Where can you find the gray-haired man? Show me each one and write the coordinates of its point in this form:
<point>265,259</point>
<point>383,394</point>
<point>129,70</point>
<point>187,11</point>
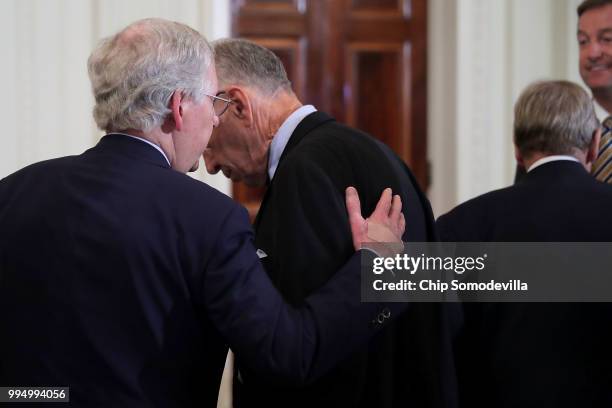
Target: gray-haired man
<point>545,355</point>
<point>123,278</point>
<point>307,160</point>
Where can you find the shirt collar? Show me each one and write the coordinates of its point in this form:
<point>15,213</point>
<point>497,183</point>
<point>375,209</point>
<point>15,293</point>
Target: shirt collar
<point>600,112</point>
<point>282,136</point>
<point>549,159</point>
<point>148,142</point>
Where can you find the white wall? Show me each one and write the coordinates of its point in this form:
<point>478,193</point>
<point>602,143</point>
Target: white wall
<point>46,108</point>
<point>482,53</point>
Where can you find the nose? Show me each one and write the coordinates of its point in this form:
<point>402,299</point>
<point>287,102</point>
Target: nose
<point>594,50</point>
<point>215,121</point>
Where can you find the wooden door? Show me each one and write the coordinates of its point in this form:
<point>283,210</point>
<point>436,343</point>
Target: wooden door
<point>362,61</point>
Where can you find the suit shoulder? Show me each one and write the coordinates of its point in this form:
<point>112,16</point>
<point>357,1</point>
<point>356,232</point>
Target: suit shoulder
<point>44,165</point>
<point>190,192</point>
<point>38,171</point>
<point>337,135</point>
<point>470,217</point>
<point>334,145</point>
<point>482,202</point>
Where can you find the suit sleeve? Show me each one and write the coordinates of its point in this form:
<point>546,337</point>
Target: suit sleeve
<point>276,340</point>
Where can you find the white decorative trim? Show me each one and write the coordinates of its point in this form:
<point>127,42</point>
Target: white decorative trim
<point>46,110</point>
<point>482,54</point>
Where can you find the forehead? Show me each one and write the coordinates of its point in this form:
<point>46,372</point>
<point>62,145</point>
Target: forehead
<point>596,19</point>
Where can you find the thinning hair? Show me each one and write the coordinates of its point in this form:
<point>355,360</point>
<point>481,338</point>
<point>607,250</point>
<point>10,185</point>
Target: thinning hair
<point>587,5</point>
<point>134,73</point>
<point>243,62</point>
<point>554,117</point>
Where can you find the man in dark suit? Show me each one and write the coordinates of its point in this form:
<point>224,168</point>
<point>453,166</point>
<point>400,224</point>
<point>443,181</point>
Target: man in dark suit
<point>540,355</point>
<point>124,279</point>
<point>307,160</point>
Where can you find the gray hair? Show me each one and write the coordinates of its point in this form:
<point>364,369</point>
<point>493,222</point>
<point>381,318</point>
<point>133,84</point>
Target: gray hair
<point>554,117</point>
<point>243,62</point>
<point>135,72</point>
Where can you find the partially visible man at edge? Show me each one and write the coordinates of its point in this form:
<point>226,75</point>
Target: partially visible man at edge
<point>595,42</point>
<point>307,159</point>
<point>595,64</point>
<point>123,278</point>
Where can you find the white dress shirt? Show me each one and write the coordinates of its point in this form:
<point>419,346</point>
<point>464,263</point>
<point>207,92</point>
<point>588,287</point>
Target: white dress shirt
<point>549,159</point>
<point>282,136</point>
<point>600,112</point>
<point>159,149</point>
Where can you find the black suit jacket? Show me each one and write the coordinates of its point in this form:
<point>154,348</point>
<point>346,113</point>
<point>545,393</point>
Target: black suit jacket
<point>536,355</point>
<point>124,280</point>
<point>302,228</point>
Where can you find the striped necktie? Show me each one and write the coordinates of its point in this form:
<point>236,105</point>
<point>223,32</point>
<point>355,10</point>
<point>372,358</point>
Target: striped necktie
<point>602,167</point>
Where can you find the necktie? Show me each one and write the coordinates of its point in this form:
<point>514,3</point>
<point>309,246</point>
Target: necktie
<point>602,167</point>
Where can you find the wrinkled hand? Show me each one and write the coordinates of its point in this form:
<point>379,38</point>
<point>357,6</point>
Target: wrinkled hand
<point>385,224</point>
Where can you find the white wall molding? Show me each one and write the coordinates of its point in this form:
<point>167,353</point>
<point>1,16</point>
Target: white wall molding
<point>46,110</point>
<point>482,55</point>
<point>46,106</point>
<point>482,62</point>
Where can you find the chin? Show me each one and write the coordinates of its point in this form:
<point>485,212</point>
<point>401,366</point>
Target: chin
<point>194,167</point>
<point>598,80</point>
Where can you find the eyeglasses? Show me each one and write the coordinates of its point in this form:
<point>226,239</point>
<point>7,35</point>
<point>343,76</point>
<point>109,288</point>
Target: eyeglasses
<point>220,104</point>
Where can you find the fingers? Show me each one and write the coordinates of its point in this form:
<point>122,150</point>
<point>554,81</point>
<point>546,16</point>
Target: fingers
<point>396,209</point>
<point>359,227</point>
<point>383,206</point>
<point>396,216</point>
<point>353,205</point>
<point>385,224</point>
<point>402,225</point>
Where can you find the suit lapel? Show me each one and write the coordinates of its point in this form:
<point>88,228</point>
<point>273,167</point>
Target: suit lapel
<point>308,124</point>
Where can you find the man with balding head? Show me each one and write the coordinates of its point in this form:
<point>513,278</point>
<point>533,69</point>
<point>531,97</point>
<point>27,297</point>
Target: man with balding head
<point>124,279</point>
<point>306,159</point>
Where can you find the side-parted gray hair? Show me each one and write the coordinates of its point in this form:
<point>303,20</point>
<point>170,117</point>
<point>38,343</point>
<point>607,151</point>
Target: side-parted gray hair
<point>554,117</point>
<point>135,72</point>
<point>243,62</point>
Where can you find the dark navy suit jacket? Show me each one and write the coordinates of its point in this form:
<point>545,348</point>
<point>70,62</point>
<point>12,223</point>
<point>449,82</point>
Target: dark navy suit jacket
<point>125,280</point>
<point>545,355</point>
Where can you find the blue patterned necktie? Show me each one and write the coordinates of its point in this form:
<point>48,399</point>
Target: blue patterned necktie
<point>602,167</point>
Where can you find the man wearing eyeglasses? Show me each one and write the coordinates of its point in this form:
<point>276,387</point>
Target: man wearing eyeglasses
<point>307,159</point>
<point>124,279</point>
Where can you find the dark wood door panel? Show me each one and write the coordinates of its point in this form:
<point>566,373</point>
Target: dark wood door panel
<point>378,93</point>
<point>362,61</point>
<point>371,8</point>
<point>267,6</point>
